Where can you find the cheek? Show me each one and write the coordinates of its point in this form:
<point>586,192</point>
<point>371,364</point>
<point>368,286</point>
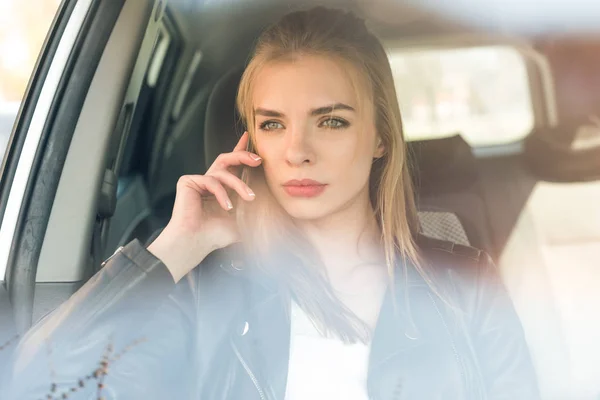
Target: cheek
<point>353,152</point>
<point>352,161</point>
<point>270,171</point>
<point>267,145</point>
<point>271,155</point>
<point>355,167</point>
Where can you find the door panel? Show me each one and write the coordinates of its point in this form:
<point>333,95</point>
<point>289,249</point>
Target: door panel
<point>25,96</point>
<point>40,141</point>
<point>7,328</point>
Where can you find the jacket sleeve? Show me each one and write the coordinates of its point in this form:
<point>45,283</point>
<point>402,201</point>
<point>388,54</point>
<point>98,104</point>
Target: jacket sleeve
<point>112,339</point>
<point>498,338</point>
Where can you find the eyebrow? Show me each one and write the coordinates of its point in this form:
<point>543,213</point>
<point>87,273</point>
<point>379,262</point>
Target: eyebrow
<point>331,108</point>
<point>314,112</point>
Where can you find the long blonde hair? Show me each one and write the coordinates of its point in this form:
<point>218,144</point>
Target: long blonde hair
<point>264,225</point>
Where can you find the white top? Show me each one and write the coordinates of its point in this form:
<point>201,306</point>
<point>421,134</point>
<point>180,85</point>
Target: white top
<point>324,368</point>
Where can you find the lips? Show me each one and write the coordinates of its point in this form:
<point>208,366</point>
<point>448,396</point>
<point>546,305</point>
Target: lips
<point>304,188</point>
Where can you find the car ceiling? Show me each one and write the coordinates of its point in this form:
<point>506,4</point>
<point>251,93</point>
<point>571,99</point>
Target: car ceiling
<point>404,17</point>
<point>225,30</point>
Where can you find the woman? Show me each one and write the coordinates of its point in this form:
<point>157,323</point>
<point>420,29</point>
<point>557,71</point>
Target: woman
<point>331,293</point>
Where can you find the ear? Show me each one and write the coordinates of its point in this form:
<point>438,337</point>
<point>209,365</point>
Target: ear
<point>379,150</point>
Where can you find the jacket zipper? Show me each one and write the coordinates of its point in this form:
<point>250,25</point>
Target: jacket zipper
<point>456,356</point>
<point>261,393</point>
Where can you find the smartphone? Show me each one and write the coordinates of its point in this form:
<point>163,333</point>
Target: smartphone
<point>244,170</point>
<point>249,146</point>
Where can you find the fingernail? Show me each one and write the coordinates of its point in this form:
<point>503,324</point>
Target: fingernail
<point>229,205</point>
<point>255,157</point>
<point>250,192</point>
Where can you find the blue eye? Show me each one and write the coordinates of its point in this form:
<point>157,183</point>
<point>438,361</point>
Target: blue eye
<point>270,125</point>
<point>334,123</point>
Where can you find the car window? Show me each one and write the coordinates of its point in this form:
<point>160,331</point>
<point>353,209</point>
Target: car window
<point>23,28</point>
<point>480,92</point>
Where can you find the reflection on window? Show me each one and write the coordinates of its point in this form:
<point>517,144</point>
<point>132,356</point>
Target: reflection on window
<point>481,93</point>
<point>23,28</point>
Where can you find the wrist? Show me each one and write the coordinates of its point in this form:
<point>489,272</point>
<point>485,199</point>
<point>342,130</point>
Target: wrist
<point>179,254</point>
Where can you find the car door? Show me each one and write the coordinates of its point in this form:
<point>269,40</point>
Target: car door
<point>76,111</point>
<point>47,32</point>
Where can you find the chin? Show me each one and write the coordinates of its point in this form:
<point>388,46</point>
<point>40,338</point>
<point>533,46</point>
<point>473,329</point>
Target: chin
<point>306,210</point>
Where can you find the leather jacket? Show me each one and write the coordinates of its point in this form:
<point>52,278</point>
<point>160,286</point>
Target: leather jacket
<point>223,332</point>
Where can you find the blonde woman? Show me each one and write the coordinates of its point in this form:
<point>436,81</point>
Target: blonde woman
<point>331,292</point>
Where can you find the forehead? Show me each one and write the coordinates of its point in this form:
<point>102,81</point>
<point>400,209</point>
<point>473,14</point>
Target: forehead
<point>306,81</point>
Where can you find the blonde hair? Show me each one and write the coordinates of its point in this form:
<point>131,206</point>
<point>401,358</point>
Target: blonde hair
<point>344,37</point>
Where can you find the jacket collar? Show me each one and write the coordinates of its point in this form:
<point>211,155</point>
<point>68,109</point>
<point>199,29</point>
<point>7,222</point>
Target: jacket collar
<point>268,324</point>
<point>264,333</point>
<point>396,331</point>
<point>263,338</point>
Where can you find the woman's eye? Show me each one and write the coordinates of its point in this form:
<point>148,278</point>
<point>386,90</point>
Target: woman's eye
<point>334,123</point>
<point>270,125</point>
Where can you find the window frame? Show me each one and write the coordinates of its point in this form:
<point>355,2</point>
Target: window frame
<point>539,74</point>
<point>34,114</point>
<point>45,131</point>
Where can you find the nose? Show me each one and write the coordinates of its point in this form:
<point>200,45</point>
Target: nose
<point>298,149</point>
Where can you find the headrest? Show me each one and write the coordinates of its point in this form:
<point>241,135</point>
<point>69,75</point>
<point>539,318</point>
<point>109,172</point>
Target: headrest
<point>439,164</point>
<point>223,126</point>
<point>442,165</point>
<point>568,152</point>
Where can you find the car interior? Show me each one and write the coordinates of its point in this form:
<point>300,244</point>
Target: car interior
<point>158,101</point>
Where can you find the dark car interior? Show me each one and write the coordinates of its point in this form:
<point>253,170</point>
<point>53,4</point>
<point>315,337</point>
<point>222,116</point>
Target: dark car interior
<point>166,86</point>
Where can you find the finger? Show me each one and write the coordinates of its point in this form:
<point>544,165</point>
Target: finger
<point>243,142</point>
<point>236,158</point>
<point>216,188</point>
<point>230,180</point>
<point>204,184</point>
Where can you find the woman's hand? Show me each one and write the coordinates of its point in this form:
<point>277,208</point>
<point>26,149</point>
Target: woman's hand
<point>200,222</point>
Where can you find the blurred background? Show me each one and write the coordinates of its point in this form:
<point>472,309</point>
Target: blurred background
<point>501,109</point>
<point>480,92</point>
<point>23,28</point>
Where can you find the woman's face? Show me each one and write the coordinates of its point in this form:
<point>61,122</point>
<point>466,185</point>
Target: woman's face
<point>316,140</point>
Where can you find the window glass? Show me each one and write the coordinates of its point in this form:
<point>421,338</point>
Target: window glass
<point>23,28</point>
<point>480,92</point>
